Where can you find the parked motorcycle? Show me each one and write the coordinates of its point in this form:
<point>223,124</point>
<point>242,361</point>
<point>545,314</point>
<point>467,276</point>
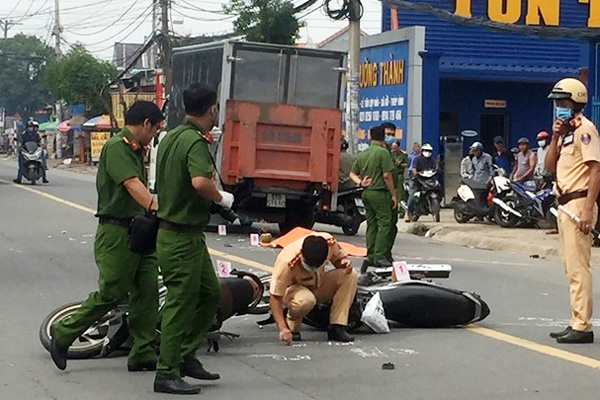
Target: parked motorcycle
<point>348,215</point>
<point>31,152</point>
<point>522,205</point>
<point>428,195</point>
<point>475,200</point>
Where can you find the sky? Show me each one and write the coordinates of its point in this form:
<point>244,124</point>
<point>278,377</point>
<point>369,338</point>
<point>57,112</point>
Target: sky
<point>98,24</point>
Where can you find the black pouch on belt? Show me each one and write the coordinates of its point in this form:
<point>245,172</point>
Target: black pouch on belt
<point>142,233</point>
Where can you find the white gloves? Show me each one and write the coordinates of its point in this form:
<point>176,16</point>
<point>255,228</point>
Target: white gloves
<point>226,200</point>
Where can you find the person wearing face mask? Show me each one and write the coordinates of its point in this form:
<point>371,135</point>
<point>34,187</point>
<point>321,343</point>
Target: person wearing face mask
<point>300,281</point>
<point>186,188</point>
<point>574,157</point>
<point>540,171</point>
<point>123,274</point>
<point>423,162</point>
<point>374,170</point>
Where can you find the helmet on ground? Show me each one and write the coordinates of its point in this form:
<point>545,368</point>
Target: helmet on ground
<point>476,146</point>
<point>570,88</point>
<point>523,140</point>
<point>542,135</point>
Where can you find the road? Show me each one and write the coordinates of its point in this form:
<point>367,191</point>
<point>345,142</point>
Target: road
<point>46,239</point>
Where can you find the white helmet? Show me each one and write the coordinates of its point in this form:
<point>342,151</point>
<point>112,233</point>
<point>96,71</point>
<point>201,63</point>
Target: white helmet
<point>427,147</point>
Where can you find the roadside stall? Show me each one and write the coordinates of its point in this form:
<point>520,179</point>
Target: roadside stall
<point>98,130</point>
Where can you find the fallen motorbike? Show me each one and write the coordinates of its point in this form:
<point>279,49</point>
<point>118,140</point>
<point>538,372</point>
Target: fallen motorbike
<point>31,154</point>
<point>522,205</point>
<point>414,303</point>
<point>427,196</point>
<point>348,215</point>
<point>475,199</point>
<point>240,294</point>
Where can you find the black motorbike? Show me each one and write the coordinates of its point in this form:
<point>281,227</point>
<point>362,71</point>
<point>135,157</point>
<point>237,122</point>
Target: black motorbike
<point>427,196</point>
<point>349,213</point>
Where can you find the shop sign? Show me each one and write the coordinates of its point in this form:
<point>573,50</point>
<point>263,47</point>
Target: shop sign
<point>537,12</point>
<point>98,140</point>
<point>488,103</point>
<point>383,89</point>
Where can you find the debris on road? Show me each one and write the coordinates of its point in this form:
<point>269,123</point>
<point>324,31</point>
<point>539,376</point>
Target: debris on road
<point>388,366</point>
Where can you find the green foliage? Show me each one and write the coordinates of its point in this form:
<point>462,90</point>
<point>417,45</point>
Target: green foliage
<point>78,78</point>
<point>266,21</point>
<point>23,60</point>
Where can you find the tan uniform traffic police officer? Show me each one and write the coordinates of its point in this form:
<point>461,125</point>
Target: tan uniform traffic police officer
<point>574,155</point>
<point>185,190</point>
<point>121,197</point>
<point>300,280</point>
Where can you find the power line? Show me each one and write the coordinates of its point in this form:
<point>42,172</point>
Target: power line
<point>193,7</point>
<point>203,19</point>
<point>13,10</point>
<point>118,19</point>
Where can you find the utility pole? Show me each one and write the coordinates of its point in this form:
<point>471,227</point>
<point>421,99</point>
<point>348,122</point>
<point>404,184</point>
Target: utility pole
<point>5,25</point>
<point>352,107</point>
<point>153,49</point>
<point>57,29</point>
<point>166,46</point>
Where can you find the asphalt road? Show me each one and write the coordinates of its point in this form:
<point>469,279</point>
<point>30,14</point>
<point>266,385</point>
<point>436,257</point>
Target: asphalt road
<point>46,260</point>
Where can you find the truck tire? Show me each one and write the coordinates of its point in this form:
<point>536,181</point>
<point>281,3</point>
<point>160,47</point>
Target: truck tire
<point>298,215</point>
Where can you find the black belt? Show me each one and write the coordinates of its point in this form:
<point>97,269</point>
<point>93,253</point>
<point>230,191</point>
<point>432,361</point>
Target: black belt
<point>116,221</point>
<point>179,228</point>
<point>565,198</point>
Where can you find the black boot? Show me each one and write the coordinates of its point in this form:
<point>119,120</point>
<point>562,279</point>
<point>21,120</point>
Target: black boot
<point>556,335</point>
<point>45,180</point>
<point>194,369</point>
<point>383,263</point>
<point>59,354</point>
<point>174,386</point>
<point>338,333</point>
<point>17,181</point>
<point>365,265</point>
<point>144,366</point>
<point>576,337</point>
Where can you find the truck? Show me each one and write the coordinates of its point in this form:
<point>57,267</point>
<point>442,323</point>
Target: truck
<point>278,144</point>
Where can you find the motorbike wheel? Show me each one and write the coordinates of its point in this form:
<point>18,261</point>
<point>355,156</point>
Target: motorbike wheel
<point>460,217</point>
<point>87,345</point>
<point>505,218</point>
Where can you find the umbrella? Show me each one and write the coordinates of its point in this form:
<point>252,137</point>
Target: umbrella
<point>64,126</point>
<point>100,122</point>
<point>48,126</point>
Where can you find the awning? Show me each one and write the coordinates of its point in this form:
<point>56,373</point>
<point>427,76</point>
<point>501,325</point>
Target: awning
<point>48,126</point>
<point>65,126</point>
<point>100,122</point>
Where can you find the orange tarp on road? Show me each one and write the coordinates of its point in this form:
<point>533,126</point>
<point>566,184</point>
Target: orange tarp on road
<point>300,233</point>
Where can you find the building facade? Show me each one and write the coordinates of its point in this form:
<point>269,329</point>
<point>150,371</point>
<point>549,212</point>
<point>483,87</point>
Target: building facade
<point>492,81</point>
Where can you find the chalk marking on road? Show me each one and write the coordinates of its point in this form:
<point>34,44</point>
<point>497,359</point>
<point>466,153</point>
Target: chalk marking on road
<point>538,348</point>
<point>523,343</point>
<point>53,198</point>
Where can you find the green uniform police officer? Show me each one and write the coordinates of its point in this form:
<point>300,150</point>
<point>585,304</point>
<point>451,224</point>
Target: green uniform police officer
<point>121,197</point>
<point>185,190</point>
<point>373,170</point>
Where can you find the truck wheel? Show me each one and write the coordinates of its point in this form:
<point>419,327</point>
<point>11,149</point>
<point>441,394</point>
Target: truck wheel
<point>298,216</point>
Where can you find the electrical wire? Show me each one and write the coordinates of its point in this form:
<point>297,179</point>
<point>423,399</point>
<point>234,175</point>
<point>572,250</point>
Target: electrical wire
<point>346,11</point>
<point>193,7</point>
<point>117,20</point>
<point>203,19</point>
<point>13,10</point>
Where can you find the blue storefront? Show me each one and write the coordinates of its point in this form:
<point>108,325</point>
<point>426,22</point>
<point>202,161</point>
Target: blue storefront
<point>490,81</point>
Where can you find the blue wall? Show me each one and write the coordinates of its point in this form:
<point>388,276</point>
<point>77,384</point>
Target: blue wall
<point>529,111</point>
<point>491,54</point>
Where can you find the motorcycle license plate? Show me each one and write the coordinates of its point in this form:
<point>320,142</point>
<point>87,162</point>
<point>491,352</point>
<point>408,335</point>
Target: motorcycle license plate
<point>276,200</point>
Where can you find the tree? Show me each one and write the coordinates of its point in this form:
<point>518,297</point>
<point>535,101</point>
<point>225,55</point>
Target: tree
<point>80,78</point>
<point>267,21</point>
<point>23,60</point>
